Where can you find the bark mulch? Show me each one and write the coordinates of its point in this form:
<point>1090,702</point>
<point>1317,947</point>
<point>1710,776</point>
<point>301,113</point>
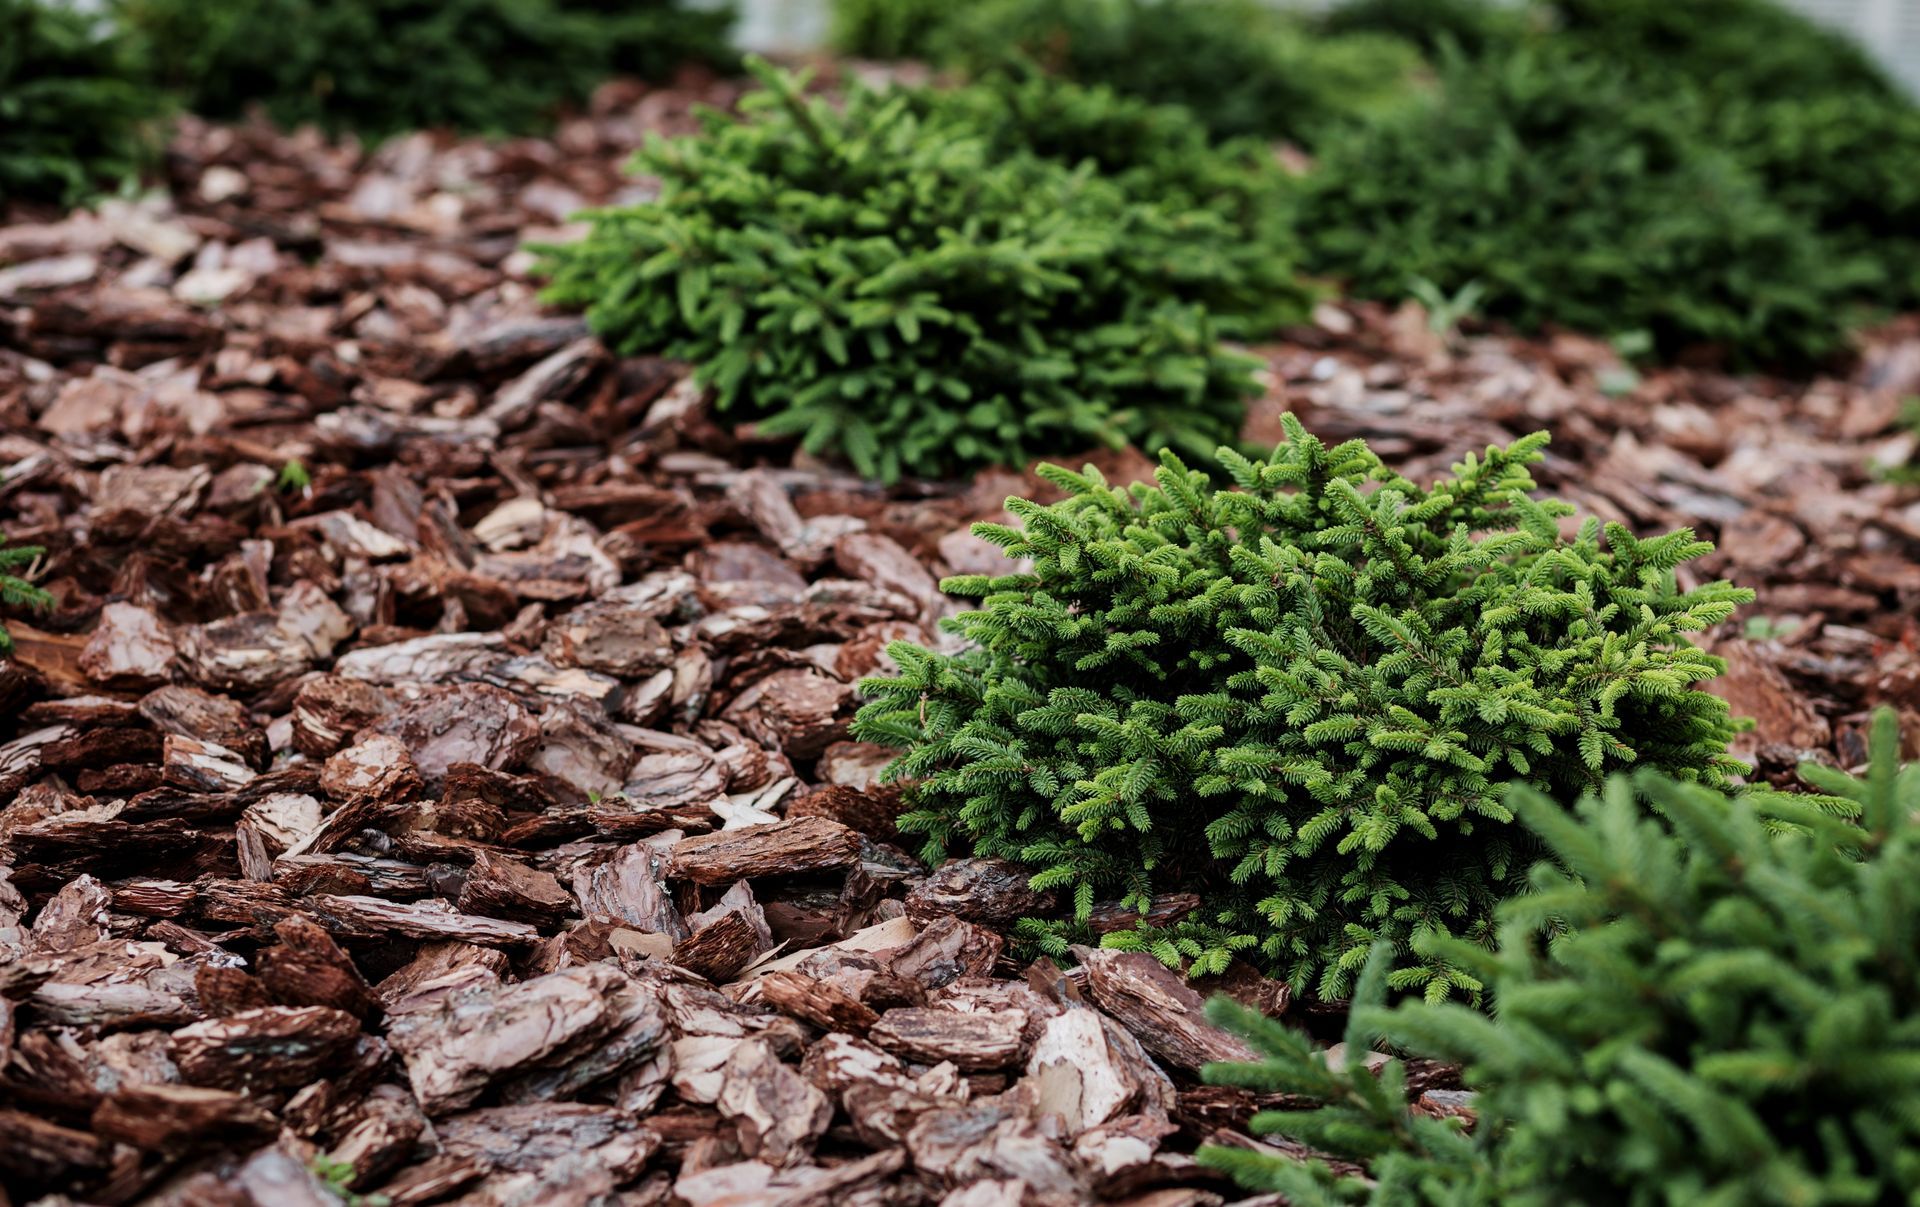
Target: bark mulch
<point>433,781</point>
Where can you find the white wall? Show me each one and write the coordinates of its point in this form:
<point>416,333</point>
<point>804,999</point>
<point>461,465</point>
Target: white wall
<point>1889,28</point>
<point>783,25</point>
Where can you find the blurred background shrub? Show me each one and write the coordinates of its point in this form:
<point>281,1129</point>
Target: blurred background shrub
<point>74,117</point>
<point>1724,173</point>
<point>1722,179</point>
<point>378,67</point>
<point>1241,66</point>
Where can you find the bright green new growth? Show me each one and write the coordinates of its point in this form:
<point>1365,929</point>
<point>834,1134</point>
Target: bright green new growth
<point>15,591</point>
<point>294,477</point>
<point>73,119</point>
<point>902,283</point>
<point>1302,698</point>
<point>380,67</point>
<point>1701,1001</point>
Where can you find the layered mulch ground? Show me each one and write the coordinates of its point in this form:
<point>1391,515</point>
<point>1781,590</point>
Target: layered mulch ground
<point>477,823</point>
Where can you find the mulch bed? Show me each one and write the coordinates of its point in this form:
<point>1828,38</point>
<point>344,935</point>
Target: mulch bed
<point>477,823</point>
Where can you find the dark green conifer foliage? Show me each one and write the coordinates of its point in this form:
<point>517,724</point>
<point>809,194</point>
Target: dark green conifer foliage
<point>1701,1000</point>
<point>1159,154</point>
<point>1802,107</point>
<point>1848,163</point>
<point>1242,67</point>
<point>1722,172</point>
<point>1734,49</point>
<point>897,283</point>
<point>890,29</point>
<point>1474,26</point>
<point>380,67</point>
<point>73,117</point>
<point>1551,180</point>
<point>652,39</point>
<point>1301,697</point>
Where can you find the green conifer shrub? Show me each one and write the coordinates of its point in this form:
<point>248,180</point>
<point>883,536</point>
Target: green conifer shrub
<point>1846,163</point>
<point>1701,1000</point>
<point>379,67</point>
<point>652,39</point>
<point>1474,26</point>
<point>1574,199</point>
<point>1781,123</point>
<point>1734,49</point>
<point>890,29</point>
<point>898,284</point>
<point>1301,697</point>
<point>1363,1117</point>
<point>1801,106</point>
<point>73,117</point>
<point>1241,66</point>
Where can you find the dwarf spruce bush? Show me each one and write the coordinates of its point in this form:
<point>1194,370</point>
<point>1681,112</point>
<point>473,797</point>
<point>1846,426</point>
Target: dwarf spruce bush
<point>1700,1001</point>
<point>1846,164</point>
<point>1159,154</point>
<point>890,29</point>
<point>1735,49</point>
<point>1573,198</point>
<point>73,117</point>
<point>1301,697</point>
<point>1802,107</point>
<point>1239,66</point>
<point>380,67</point>
<point>15,591</point>
<point>901,283</point>
<point>1746,173</point>
<point>1474,26</point>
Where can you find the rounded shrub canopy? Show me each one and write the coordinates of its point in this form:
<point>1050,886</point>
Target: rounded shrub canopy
<point>1700,999</point>
<point>1302,697</point>
<point>894,283</point>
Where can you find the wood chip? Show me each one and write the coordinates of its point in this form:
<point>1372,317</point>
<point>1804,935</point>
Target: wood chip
<point>1164,1013</point>
<point>307,968</point>
<point>781,848</point>
<point>275,1047</point>
<point>777,1113</point>
<point>483,1035</point>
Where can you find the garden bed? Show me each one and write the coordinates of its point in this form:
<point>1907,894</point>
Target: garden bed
<point>433,777</point>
